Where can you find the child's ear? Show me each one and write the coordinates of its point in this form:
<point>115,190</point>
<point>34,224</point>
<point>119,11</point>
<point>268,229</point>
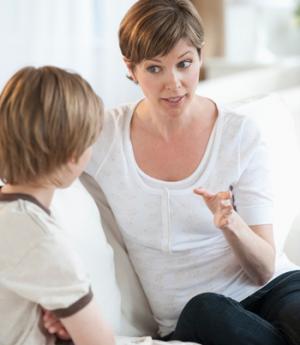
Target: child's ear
<point>71,162</point>
<point>130,74</point>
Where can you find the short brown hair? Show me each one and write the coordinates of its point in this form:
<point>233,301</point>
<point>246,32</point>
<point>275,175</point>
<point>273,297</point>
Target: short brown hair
<point>47,117</point>
<point>153,27</point>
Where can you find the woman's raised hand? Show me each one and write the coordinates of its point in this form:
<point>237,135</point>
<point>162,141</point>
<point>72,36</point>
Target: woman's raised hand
<point>219,204</point>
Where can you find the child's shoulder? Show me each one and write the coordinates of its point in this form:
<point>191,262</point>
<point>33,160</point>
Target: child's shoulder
<point>23,226</point>
<point>18,212</point>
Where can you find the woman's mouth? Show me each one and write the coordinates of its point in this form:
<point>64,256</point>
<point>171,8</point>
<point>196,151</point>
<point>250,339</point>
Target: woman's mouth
<point>174,100</point>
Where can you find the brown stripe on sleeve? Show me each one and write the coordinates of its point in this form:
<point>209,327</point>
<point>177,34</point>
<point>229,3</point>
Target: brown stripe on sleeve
<point>75,307</point>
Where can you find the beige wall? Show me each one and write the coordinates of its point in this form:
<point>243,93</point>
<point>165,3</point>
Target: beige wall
<point>212,13</point>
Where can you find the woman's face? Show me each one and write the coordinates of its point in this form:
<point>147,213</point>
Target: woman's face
<point>169,82</point>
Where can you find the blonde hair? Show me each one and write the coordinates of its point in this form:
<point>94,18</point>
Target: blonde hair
<point>47,117</point>
<point>153,27</point>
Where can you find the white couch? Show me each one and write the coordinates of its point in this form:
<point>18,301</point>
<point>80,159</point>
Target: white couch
<point>116,285</point>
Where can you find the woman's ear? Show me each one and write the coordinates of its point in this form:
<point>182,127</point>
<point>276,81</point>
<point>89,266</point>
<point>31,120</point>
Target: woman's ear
<point>202,71</point>
<point>201,53</point>
<point>130,74</point>
<point>127,62</point>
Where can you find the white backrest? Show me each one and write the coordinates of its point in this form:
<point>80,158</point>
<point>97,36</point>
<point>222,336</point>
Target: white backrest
<point>279,130</point>
<point>291,98</point>
<point>251,83</point>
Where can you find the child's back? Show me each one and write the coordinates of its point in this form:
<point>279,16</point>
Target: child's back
<point>36,268</point>
<point>49,118</point>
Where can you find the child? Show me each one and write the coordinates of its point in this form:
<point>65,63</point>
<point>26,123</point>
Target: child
<point>49,118</point>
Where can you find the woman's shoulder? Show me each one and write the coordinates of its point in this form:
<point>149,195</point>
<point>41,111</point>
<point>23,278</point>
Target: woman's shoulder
<point>231,114</point>
<point>238,130</point>
<point>120,113</point>
<point>236,121</point>
<point>114,123</point>
<point>115,126</point>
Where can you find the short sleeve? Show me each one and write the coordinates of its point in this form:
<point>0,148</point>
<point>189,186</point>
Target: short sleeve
<point>253,197</point>
<point>50,274</point>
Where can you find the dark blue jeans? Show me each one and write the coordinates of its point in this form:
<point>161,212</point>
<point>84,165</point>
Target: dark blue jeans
<point>271,316</point>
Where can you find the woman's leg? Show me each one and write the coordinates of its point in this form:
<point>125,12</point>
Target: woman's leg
<point>269,316</point>
<point>279,303</point>
<point>212,319</point>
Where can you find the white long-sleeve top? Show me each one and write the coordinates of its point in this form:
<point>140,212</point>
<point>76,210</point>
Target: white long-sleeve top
<point>172,242</point>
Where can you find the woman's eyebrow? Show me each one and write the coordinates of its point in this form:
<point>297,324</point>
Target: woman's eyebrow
<point>179,57</point>
<point>182,55</point>
<point>155,60</point>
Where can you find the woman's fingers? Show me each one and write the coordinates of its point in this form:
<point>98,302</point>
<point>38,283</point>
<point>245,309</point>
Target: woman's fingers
<point>220,195</point>
<point>226,210</point>
<point>203,192</point>
<point>225,196</point>
<point>223,214</point>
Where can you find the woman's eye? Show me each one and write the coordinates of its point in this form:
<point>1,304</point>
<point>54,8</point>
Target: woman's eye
<point>184,63</point>
<point>153,69</point>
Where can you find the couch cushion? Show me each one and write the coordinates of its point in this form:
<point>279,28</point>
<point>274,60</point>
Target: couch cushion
<point>278,129</point>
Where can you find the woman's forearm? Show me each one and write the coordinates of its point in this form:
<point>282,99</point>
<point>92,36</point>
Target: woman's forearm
<point>255,254</point>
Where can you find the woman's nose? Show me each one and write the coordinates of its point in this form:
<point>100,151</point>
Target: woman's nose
<point>173,81</point>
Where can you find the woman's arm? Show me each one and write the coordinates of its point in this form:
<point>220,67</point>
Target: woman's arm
<point>253,245</point>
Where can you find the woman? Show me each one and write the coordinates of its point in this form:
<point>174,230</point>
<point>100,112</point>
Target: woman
<point>207,265</point>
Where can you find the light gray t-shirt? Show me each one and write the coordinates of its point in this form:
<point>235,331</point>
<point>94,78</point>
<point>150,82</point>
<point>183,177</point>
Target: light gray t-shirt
<point>38,268</point>
<point>169,232</point>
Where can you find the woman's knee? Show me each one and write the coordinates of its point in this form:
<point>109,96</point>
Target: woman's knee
<point>206,299</point>
<point>203,315</point>
<point>204,306</point>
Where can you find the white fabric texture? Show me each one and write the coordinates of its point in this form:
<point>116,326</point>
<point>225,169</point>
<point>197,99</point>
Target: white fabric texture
<point>146,341</point>
<point>180,254</point>
<point>136,318</point>
<point>38,267</point>
<point>77,213</point>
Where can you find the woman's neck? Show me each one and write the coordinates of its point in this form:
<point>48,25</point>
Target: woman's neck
<point>167,127</point>
<point>43,194</point>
